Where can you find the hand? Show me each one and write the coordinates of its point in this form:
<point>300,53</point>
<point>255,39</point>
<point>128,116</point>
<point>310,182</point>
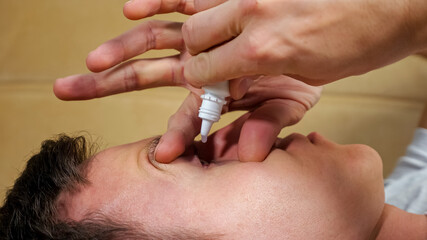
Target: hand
<point>314,41</point>
<point>132,75</point>
<point>138,9</point>
<point>137,74</point>
<point>275,102</point>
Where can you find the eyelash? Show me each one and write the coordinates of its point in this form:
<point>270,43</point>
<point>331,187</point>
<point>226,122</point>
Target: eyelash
<point>152,148</point>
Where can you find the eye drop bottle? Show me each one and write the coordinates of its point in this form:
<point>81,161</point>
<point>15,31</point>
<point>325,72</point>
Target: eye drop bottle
<point>213,101</point>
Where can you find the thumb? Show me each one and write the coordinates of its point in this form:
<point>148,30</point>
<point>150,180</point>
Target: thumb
<point>239,87</point>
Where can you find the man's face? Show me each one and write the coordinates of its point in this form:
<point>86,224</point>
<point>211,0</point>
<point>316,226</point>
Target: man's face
<point>307,188</point>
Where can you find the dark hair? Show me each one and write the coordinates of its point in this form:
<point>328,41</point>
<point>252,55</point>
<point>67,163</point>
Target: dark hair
<point>30,210</point>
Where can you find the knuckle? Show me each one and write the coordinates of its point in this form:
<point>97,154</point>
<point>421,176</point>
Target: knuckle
<point>256,49</point>
<point>130,78</point>
<point>267,52</point>
<point>249,6</point>
<point>187,34</point>
<point>151,34</point>
<point>200,69</point>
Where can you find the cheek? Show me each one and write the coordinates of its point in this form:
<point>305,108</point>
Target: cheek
<point>247,197</point>
<point>359,188</point>
<point>155,203</point>
<point>364,163</point>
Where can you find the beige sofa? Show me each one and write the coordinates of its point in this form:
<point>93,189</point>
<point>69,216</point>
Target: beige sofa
<point>45,39</point>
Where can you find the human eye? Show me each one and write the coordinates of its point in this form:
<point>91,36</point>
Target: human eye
<point>191,151</point>
<point>205,163</point>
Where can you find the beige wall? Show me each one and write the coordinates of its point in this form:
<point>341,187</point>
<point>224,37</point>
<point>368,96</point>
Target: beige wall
<point>45,39</point>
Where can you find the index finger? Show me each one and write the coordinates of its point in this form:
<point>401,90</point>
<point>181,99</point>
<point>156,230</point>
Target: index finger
<point>129,76</point>
<point>183,126</point>
<point>260,131</point>
<point>146,36</point>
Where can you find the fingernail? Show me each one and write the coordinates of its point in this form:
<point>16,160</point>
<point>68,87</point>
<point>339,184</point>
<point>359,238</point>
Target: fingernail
<point>242,88</point>
<point>130,1</point>
<point>195,70</point>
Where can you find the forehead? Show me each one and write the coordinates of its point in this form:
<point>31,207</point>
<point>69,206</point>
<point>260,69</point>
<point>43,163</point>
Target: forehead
<point>112,173</point>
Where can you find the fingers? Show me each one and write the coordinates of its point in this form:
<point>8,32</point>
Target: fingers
<point>183,126</point>
<point>277,87</point>
<point>223,144</point>
<point>137,9</point>
<point>206,29</point>
<point>239,87</point>
<point>219,64</point>
<point>201,5</point>
<point>259,133</point>
<point>147,36</point>
<point>129,76</point>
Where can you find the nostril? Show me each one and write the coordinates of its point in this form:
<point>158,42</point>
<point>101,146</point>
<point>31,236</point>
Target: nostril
<point>284,143</point>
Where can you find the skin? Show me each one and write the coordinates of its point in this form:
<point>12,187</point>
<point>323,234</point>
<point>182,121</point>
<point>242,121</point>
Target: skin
<point>314,41</point>
<point>398,224</point>
<point>308,181</point>
<point>330,53</point>
<point>307,187</point>
<point>274,102</point>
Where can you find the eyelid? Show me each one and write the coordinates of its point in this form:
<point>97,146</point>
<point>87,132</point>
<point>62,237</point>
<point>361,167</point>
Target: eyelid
<point>151,148</point>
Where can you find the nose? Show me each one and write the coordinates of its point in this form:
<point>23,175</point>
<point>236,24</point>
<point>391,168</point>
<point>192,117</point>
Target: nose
<point>317,138</point>
<point>292,140</point>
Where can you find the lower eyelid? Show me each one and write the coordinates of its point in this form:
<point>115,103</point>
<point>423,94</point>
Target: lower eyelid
<point>151,150</point>
<point>204,163</point>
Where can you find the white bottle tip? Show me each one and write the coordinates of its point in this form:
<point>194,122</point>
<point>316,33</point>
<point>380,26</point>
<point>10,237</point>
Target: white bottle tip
<point>205,129</point>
